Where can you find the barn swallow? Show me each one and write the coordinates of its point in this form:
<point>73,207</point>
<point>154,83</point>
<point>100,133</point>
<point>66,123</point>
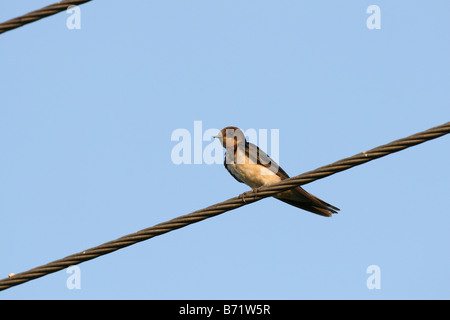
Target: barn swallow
<point>250,165</point>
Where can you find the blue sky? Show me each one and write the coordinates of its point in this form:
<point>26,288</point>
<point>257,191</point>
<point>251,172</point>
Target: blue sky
<point>85,135</point>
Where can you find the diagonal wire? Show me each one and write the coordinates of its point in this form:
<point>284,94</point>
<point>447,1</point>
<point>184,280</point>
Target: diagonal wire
<point>38,14</point>
<point>225,206</point>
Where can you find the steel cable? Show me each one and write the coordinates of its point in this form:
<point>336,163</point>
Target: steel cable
<point>230,204</point>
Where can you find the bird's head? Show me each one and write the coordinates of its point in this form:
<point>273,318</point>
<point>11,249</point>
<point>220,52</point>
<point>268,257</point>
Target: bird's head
<point>230,137</point>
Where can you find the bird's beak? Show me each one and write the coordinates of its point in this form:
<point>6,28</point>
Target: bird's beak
<point>215,137</point>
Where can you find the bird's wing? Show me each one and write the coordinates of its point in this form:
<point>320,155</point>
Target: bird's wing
<point>260,157</point>
<point>297,197</point>
<point>232,172</point>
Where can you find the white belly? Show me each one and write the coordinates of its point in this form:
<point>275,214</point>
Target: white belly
<point>254,175</point>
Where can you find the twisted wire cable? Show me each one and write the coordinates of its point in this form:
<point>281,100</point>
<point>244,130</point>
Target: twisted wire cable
<point>230,204</point>
<point>38,14</point>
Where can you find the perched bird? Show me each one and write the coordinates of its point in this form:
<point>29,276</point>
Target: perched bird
<point>250,165</point>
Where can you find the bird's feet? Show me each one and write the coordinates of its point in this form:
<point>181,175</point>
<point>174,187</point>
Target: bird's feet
<point>247,192</point>
<point>242,196</point>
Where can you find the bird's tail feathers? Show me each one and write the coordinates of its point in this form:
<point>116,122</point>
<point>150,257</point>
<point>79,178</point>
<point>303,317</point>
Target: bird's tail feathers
<point>308,202</point>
